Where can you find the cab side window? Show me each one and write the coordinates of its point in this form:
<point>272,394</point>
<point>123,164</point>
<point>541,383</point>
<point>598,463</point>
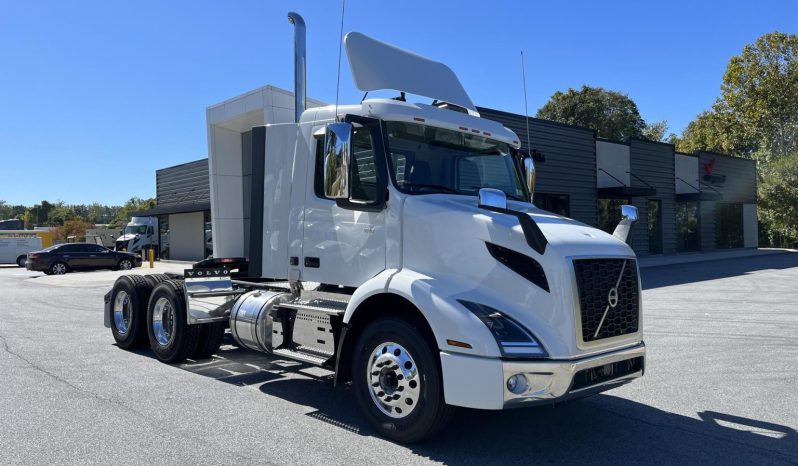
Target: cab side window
<point>363,178</point>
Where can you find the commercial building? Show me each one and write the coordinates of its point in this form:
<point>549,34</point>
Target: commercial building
<point>686,202</point>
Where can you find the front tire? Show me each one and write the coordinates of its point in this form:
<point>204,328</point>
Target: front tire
<point>125,264</point>
<point>397,381</point>
<point>171,338</point>
<point>21,261</point>
<point>129,298</point>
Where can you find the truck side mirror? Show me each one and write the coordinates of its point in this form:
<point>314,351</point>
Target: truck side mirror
<point>489,197</point>
<point>337,139</point>
<point>530,177</point>
<point>628,217</point>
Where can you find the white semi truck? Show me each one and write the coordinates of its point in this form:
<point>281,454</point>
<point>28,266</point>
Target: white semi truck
<point>139,234</point>
<point>395,244</point>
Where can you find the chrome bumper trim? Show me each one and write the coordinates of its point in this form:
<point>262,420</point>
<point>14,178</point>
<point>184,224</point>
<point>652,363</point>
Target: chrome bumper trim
<point>549,381</point>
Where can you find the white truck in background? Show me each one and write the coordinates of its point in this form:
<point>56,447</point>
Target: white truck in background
<point>140,233</point>
<point>395,244</point>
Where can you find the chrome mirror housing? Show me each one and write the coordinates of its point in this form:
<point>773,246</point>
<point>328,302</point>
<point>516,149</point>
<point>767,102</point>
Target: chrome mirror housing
<point>628,217</point>
<point>530,177</point>
<point>337,140</point>
<point>629,212</point>
<point>489,197</point>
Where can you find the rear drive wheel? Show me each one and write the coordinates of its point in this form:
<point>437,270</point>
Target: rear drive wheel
<point>125,264</point>
<point>21,260</point>
<point>156,278</point>
<point>397,382</point>
<point>58,268</point>
<point>171,338</point>
<point>129,297</point>
<point>210,339</point>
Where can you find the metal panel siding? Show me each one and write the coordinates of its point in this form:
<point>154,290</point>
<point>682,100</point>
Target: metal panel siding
<point>570,166</point>
<point>654,163</point>
<point>740,183</point>
<point>183,184</point>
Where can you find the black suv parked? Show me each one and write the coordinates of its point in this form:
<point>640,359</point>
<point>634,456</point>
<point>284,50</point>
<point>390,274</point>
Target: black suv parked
<point>63,258</point>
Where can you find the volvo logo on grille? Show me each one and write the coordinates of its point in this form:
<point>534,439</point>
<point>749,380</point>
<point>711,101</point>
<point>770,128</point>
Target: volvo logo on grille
<point>612,300</point>
<point>612,297</point>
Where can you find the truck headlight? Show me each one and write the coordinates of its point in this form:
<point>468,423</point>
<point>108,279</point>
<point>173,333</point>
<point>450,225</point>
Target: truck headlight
<point>513,339</point>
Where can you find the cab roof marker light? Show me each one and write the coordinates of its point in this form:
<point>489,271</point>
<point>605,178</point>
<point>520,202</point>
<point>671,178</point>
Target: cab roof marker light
<point>419,119</point>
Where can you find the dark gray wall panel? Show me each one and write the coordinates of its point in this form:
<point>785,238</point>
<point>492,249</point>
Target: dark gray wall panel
<point>740,183</point>
<point>570,166</point>
<point>654,164</point>
<point>187,183</point>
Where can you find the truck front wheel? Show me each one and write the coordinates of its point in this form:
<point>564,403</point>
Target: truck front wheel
<point>171,338</point>
<point>397,382</point>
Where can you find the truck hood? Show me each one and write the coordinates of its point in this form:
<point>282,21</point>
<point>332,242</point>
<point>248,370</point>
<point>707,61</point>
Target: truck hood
<point>126,237</point>
<point>567,236</point>
<point>446,238</point>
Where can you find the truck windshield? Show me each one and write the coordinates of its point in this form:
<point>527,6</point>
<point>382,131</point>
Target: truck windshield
<point>136,229</point>
<point>425,159</point>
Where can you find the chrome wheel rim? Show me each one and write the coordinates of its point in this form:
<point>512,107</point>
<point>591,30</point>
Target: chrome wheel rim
<point>393,379</point>
<point>122,312</point>
<point>59,269</point>
<point>163,321</point>
<point>125,265</point>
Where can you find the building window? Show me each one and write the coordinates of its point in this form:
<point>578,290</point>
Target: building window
<point>556,203</point>
<point>729,226</point>
<point>163,227</point>
<point>363,176</point>
<point>687,227</point>
<point>654,208</point>
<point>208,234</point>
<point>609,213</point>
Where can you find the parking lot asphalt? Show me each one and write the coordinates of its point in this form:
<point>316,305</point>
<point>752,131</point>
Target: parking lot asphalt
<point>721,387</point>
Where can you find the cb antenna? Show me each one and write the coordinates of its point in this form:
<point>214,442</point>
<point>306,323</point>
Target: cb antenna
<point>526,108</point>
<point>340,44</point>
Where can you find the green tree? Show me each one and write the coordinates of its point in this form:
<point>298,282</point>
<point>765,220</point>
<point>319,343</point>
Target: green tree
<point>760,88</point>
<point>132,205</point>
<point>656,131</point>
<point>612,114</point>
<point>778,200</point>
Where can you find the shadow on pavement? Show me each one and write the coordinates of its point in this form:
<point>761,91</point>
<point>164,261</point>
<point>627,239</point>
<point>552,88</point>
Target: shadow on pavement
<point>603,429</point>
<point>677,274</point>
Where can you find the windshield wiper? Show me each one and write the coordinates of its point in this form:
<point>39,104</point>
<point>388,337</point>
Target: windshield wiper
<point>440,187</point>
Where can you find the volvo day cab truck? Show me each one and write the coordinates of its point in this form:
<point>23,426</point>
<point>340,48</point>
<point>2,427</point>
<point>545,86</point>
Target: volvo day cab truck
<point>139,234</point>
<point>395,244</point>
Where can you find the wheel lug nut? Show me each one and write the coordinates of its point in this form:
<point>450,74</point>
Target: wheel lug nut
<point>375,384</point>
<point>394,367</point>
<point>380,393</point>
<point>400,388</point>
<point>388,399</point>
<point>375,373</point>
<point>396,397</point>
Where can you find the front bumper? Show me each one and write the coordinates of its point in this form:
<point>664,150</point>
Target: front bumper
<point>481,383</point>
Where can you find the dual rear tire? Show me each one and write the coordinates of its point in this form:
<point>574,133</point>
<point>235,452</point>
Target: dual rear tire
<point>152,309</point>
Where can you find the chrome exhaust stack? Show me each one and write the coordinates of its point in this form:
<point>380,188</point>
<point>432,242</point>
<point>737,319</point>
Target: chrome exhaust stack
<point>300,57</point>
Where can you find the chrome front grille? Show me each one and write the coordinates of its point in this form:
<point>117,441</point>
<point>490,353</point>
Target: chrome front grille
<point>609,297</point>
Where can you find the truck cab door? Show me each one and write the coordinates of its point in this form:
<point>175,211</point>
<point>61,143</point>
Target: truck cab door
<point>344,240</point>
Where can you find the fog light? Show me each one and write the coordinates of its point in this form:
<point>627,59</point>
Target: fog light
<point>517,384</point>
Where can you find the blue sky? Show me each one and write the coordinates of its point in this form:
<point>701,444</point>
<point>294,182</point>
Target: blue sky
<point>96,95</point>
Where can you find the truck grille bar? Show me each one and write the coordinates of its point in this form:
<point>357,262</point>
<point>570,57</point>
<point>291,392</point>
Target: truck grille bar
<point>609,297</point>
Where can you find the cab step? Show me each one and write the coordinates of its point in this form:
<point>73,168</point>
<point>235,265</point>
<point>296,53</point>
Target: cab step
<point>301,357</point>
<point>321,306</point>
